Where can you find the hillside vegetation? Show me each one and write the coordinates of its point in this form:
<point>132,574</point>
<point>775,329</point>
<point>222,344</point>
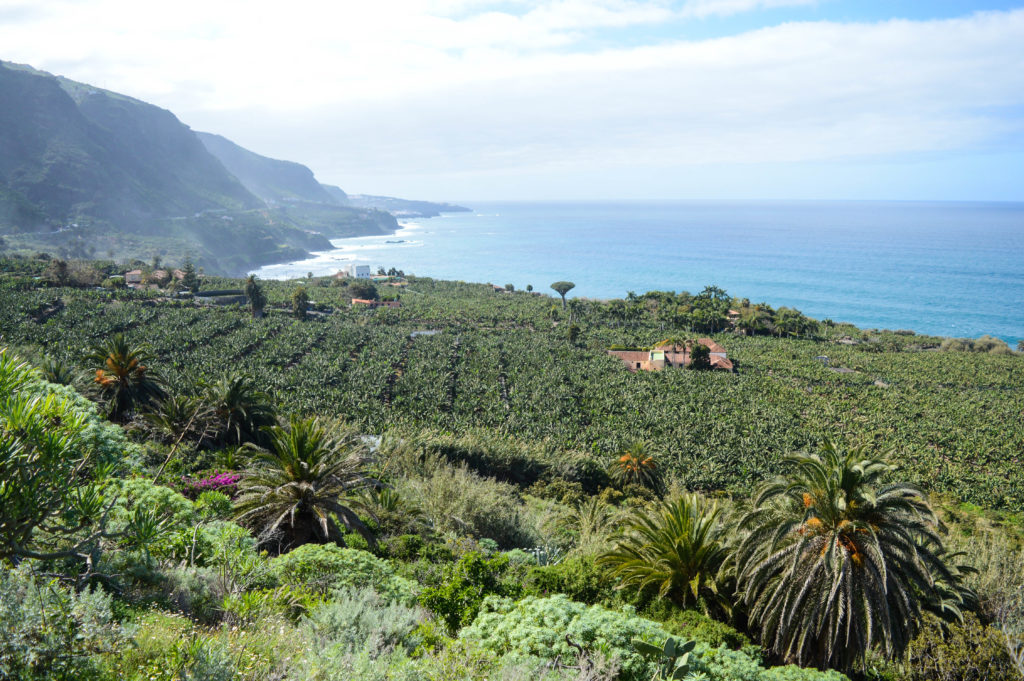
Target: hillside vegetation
<point>502,370</point>
<point>468,486</point>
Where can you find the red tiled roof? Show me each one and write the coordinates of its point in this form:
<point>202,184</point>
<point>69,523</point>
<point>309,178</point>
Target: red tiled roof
<point>711,345</point>
<point>721,363</point>
<point>630,355</point>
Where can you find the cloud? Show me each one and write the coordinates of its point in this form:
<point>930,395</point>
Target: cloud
<point>412,90</point>
<point>706,8</point>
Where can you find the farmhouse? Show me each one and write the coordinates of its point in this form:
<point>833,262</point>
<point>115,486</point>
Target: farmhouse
<point>375,303</point>
<point>671,355</point>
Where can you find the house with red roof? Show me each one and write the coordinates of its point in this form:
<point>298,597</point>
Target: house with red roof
<point>671,355</point>
<point>365,302</point>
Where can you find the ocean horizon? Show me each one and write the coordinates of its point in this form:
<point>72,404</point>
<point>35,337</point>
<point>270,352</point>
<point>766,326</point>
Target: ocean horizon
<point>943,268</point>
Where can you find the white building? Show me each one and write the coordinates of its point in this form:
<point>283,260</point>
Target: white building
<point>355,271</point>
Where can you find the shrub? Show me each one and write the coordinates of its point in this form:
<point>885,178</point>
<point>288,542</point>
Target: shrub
<point>192,591</point>
<point>458,500</point>
<point>359,619</point>
<point>47,632</point>
<point>959,652</point>
<point>458,598</point>
<point>696,626</point>
<point>404,547</point>
<point>722,664</point>
<point>537,628</point>
<point>213,505</point>
<point>322,567</point>
<point>225,482</point>
<point>577,577</point>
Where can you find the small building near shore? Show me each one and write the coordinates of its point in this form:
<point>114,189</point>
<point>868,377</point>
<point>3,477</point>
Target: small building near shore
<point>671,355</point>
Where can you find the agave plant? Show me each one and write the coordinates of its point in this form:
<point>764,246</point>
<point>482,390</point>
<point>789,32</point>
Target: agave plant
<point>124,378</point>
<point>678,549</point>
<point>837,562</point>
<point>304,484</point>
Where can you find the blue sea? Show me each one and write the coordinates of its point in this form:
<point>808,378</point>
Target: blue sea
<point>951,269</point>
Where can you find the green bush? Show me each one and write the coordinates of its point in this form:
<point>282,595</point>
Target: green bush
<point>696,626</point>
<point>793,673</point>
<point>213,505</point>
<point>459,500</point>
<point>953,652</point>
<point>323,567</point>
<point>47,632</point>
<point>359,619</point>
<point>458,598</point>
<point>107,443</point>
<point>578,577</point>
<point>194,592</point>
<point>723,664</point>
<point>536,628</point>
<point>404,547</point>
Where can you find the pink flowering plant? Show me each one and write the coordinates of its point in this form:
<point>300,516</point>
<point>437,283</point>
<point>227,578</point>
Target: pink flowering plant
<point>225,482</point>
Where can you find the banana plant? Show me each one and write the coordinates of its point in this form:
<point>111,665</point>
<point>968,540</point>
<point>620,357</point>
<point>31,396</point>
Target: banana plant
<point>672,659</point>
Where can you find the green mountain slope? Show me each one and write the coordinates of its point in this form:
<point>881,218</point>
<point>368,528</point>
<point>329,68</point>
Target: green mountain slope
<point>72,152</point>
<point>85,171</point>
<point>270,179</point>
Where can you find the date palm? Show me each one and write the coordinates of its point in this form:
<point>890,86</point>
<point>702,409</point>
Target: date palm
<point>238,409</point>
<point>304,484</point>
<point>124,378</point>
<point>678,548</point>
<point>634,465</point>
<point>839,562</point>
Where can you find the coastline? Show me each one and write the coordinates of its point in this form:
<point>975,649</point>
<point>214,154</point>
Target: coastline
<point>345,251</point>
<point>930,267</point>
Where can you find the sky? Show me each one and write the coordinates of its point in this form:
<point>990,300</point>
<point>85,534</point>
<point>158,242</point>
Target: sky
<point>466,100</point>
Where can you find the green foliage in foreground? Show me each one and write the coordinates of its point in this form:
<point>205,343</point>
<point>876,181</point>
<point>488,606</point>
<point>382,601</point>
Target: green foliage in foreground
<point>837,563</point>
<point>53,453</point>
<point>324,567</point>
<point>304,485</point>
<point>462,591</point>
<point>538,628</point>
<point>677,550</point>
<point>49,632</point>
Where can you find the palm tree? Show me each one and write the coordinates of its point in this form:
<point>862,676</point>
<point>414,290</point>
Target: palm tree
<point>591,521</point>
<point>178,416</point>
<point>57,370</point>
<point>239,409</point>
<point>678,548</point>
<point>838,563</point>
<point>124,379</point>
<point>635,466</point>
<point>304,484</point>
<point>254,294</point>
